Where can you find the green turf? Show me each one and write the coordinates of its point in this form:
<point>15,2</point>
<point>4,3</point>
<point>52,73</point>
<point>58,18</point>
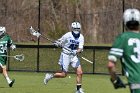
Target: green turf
<point>32,82</point>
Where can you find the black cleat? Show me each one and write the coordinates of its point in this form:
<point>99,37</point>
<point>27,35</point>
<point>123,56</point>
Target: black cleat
<point>11,84</point>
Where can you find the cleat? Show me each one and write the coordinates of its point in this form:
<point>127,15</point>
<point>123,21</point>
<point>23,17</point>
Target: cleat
<point>47,78</point>
<point>80,91</point>
<point>12,82</point>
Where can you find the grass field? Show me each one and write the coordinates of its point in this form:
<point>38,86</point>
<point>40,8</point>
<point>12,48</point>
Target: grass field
<point>32,82</point>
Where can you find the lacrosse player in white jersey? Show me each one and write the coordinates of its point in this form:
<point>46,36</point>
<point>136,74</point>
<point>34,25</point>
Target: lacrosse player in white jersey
<point>72,43</point>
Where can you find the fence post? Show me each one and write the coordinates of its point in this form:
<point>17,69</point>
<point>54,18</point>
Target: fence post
<point>38,38</point>
<point>93,60</point>
<point>123,7</point>
<point>123,2</point>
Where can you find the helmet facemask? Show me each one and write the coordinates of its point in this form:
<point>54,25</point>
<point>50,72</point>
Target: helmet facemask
<point>76,29</point>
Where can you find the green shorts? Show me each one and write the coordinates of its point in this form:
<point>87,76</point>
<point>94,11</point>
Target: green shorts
<point>135,88</point>
<point>3,61</point>
<point>135,91</point>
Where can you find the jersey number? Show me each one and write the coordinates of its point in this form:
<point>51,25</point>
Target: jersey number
<point>73,46</point>
<point>3,48</point>
<point>136,49</point>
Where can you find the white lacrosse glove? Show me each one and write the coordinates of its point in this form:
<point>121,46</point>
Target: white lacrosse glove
<point>33,32</point>
<point>13,47</point>
<point>74,53</point>
<point>36,34</point>
<point>58,43</point>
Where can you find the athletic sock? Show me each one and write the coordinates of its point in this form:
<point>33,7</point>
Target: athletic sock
<point>8,79</point>
<point>78,86</point>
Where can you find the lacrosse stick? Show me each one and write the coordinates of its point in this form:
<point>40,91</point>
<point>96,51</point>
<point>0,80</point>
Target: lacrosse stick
<point>37,34</point>
<point>17,57</point>
<point>86,60</point>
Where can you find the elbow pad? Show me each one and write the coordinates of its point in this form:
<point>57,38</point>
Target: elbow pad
<point>112,58</point>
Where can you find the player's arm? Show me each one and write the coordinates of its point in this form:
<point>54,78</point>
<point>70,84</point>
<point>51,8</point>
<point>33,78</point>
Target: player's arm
<point>81,45</point>
<point>11,44</point>
<point>59,42</point>
<point>115,79</point>
<point>79,50</point>
<point>116,52</point>
<point>112,69</point>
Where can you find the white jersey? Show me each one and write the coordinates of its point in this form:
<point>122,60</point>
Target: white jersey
<point>71,43</point>
<point>68,41</point>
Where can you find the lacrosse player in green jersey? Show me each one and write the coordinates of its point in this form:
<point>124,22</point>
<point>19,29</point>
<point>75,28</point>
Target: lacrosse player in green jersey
<point>5,42</point>
<point>127,47</point>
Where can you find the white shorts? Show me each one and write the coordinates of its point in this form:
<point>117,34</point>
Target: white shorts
<point>65,60</point>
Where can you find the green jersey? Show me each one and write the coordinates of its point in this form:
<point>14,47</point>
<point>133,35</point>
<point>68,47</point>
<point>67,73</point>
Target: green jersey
<point>5,42</point>
<point>127,47</point>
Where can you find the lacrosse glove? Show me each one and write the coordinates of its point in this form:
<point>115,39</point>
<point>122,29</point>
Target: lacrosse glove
<point>57,43</point>
<point>13,47</point>
<point>118,83</point>
<point>74,53</point>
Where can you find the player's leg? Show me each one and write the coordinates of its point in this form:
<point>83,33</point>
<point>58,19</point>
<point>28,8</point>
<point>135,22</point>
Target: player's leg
<point>64,63</point>
<point>3,70</point>
<point>60,74</point>
<point>3,61</point>
<point>78,69</point>
<point>79,73</point>
<point>5,74</point>
<point>49,76</point>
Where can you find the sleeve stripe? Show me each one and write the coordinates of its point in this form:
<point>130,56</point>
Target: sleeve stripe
<point>116,49</point>
<point>116,53</point>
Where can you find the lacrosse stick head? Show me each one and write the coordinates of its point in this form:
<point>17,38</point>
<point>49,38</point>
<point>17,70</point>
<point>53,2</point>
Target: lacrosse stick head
<point>34,32</point>
<point>19,57</point>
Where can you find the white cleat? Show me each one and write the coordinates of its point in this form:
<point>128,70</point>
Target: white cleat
<point>47,78</point>
<point>80,91</point>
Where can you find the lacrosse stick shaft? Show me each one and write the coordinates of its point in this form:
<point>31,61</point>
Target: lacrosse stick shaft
<point>47,38</point>
<point>17,57</point>
<point>86,60</point>
<point>6,56</point>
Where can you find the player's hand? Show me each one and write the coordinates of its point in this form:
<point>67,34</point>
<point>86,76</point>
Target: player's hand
<point>118,83</point>
<point>13,47</point>
<point>57,43</point>
<point>74,53</point>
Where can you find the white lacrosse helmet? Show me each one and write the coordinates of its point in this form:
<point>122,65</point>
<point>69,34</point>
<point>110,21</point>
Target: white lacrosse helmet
<point>2,30</point>
<point>76,26</point>
<point>131,15</point>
